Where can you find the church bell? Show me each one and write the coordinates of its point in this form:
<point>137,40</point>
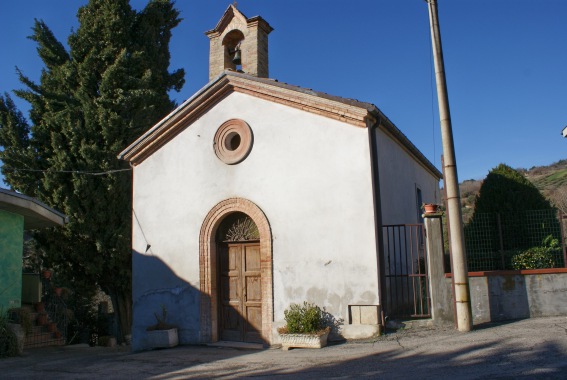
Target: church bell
<point>237,58</point>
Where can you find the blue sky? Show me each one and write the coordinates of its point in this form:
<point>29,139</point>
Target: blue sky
<point>505,60</point>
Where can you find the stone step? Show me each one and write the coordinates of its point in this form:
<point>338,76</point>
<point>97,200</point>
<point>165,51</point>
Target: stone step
<point>36,329</point>
<point>409,323</point>
<point>43,340</point>
<point>28,307</point>
<point>39,335</point>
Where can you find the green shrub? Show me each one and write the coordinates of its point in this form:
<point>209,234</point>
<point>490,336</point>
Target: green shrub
<point>505,190</point>
<point>22,317</point>
<point>8,340</point>
<point>510,214</point>
<point>537,257</point>
<point>161,321</point>
<point>304,319</point>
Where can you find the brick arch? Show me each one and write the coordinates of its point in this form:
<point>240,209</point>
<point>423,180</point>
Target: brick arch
<point>208,277</point>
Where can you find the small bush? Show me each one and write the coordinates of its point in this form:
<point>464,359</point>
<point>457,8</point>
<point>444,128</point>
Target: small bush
<point>537,257</point>
<point>8,340</point>
<point>161,321</point>
<point>21,316</point>
<point>303,319</point>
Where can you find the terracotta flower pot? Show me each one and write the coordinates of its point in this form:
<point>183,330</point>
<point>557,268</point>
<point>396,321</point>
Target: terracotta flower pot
<point>430,208</point>
<point>42,319</point>
<point>39,307</point>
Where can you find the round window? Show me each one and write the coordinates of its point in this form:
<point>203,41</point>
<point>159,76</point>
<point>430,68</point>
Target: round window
<point>233,141</point>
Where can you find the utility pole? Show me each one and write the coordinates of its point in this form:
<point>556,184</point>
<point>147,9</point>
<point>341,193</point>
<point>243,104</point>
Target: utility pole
<point>460,271</point>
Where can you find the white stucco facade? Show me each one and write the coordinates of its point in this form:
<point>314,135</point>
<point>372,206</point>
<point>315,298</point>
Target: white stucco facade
<point>400,177</point>
<point>313,172</point>
<point>309,174</point>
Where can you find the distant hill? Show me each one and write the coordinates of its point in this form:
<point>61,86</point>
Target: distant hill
<point>548,179</point>
<point>551,180</point>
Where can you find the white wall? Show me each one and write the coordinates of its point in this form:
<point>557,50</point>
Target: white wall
<point>400,175</point>
<point>309,174</point>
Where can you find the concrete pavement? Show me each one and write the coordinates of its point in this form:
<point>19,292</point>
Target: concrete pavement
<point>526,349</point>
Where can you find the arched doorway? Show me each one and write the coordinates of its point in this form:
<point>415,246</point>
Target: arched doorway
<point>236,274</point>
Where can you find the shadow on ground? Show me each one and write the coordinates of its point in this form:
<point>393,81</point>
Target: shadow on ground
<point>524,349</point>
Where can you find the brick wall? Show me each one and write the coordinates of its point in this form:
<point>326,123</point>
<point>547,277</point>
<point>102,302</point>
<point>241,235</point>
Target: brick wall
<point>254,45</point>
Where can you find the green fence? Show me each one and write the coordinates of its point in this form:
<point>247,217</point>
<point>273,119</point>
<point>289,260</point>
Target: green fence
<point>519,240</point>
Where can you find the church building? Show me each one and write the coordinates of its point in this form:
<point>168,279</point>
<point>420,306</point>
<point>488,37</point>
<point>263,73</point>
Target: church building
<point>255,194</point>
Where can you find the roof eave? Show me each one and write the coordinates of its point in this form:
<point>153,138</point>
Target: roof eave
<point>36,214</point>
<point>390,127</point>
<point>126,154</point>
<point>346,110</point>
<point>351,111</point>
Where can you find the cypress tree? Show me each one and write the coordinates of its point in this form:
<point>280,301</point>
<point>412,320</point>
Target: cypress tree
<point>510,214</point>
<point>505,190</point>
<point>90,103</point>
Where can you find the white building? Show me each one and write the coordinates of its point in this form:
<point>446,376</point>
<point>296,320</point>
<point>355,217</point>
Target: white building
<point>254,194</point>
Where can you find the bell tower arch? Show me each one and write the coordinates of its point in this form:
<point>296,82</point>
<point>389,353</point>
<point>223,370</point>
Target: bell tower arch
<point>239,43</point>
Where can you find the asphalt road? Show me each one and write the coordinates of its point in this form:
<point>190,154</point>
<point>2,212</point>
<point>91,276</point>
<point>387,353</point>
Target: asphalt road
<point>527,349</point>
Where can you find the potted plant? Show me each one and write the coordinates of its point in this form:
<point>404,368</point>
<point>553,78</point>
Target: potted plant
<point>39,307</point>
<point>22,317</point>
<point>42,319</point>
<point>11,337</point>
<point>305,327</point>
<point>61,291</point>
<point>51,326</point>
<point>430,208</point>
<point>20,323</point>
<point>162,334</point>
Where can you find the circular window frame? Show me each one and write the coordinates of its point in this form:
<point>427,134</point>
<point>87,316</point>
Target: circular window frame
<point>222,142</point>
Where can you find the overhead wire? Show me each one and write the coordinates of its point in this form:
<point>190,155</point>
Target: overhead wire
<point>98,173</point>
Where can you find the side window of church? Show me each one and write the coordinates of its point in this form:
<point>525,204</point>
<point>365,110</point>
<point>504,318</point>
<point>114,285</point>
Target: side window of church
<point>418,203</point>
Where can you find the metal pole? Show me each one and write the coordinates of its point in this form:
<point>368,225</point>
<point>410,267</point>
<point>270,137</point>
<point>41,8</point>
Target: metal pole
<point>460,273</point>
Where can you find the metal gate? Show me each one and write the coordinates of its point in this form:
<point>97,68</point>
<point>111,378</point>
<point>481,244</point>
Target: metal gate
<point>407,284</point>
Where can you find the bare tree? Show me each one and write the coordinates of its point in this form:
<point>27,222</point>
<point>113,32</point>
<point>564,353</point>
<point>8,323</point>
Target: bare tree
<point>559,198</point>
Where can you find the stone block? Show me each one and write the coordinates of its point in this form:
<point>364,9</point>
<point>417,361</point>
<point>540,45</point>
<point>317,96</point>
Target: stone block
<point>364,314</point>
<point>360,331</point>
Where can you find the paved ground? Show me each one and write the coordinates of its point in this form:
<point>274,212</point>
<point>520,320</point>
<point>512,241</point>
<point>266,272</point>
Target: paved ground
<point>534,348</point>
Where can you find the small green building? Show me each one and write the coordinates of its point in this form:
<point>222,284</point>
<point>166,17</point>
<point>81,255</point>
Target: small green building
<point>17,214</point>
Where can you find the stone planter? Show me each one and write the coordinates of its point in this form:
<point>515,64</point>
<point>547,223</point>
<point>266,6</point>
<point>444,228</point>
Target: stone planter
<point>20,336</point>
<point>163,338</point>
<point>303,340</point>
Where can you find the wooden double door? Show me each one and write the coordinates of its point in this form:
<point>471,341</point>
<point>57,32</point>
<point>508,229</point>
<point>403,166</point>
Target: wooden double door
<point>240,292</point>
